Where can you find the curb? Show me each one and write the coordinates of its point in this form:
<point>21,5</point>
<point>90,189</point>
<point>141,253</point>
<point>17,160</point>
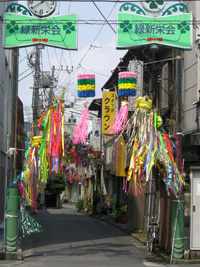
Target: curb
<point>165,257</point>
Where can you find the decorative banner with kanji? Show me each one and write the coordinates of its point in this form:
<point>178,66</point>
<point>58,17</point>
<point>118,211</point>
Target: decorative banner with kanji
<point>135,30</point>
<point>137,67</point>
<point>58,31</point>
<point>96,134</point>
<point>108,111</point>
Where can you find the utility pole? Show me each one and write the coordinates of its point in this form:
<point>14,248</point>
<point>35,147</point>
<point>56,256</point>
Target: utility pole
<point>36,86</point>
<point>14,101</point>
<point>51,93</point>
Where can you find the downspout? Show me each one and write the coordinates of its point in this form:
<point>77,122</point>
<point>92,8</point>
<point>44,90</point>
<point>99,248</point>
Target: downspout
<point>178,88</point>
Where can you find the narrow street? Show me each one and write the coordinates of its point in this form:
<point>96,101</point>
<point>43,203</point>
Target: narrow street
<point>75,240</point>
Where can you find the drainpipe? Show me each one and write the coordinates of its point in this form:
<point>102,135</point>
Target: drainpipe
<point>178,88</point>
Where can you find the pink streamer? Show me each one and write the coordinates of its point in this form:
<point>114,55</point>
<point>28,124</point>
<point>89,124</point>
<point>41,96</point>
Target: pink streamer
<point>82,128</point>
<point>21,188</point>
<point>125,186</point>
<point>120,120</point>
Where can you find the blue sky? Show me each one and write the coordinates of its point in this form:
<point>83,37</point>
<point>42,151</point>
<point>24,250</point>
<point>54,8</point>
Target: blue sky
<point>96,52</point>
<point>100,58</point>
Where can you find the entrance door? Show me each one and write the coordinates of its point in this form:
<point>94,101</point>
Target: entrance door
<point>195,208</point>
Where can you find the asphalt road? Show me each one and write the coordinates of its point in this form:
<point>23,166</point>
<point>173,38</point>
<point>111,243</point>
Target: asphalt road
<point>76,240</point>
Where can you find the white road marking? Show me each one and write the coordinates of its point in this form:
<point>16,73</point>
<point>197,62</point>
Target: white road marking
<point>147,263</point>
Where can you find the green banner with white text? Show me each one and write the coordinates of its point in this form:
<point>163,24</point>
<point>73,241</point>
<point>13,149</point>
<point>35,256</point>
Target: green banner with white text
<point>58,31</point>
<point>136,30</point>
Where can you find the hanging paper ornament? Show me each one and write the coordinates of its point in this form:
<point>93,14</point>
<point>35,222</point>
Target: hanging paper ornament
<point>81,130</point>
<point>29,225</point>
<point>143,103</point>
<point>120,120</point>
<point>86,85</point>
<point>127,83</point>
<point>159,122</point>
<point>36,141</point>
<point>149,147</point>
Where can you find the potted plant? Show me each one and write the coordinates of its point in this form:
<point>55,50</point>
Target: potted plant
<point>108,201</point>
<point>121,213</point>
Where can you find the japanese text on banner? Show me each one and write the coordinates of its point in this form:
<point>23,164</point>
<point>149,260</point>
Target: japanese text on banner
<point>108,112</point>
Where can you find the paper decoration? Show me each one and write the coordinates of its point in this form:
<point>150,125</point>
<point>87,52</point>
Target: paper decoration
<point>149,147</point>
<point>120,120</point>
<point>81,130</point>
<point>86,85</point>
<point>127,83</point>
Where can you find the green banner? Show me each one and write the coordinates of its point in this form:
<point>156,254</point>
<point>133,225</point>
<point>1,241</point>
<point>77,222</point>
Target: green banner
<point>58,31</point>
<point>135,30</point>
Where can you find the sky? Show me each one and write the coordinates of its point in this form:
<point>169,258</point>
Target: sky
<point>96,53</point>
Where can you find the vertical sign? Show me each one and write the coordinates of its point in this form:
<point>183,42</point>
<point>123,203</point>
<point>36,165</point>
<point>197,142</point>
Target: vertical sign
<point>96,134</point>
<point>108,111</point>
<point>137,67</point>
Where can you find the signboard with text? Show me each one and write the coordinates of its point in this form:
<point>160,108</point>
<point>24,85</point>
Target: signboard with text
<point>108,111</point>
<point>96,134</point>
<point>136,30</point>
<point>137,67</point>
<point>58,31</point>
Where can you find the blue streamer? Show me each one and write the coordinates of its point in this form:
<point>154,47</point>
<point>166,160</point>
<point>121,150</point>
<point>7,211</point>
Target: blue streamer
<point>150,149</point>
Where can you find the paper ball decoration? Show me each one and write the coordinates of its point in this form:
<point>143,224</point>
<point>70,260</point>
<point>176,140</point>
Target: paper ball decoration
<point>127,83</point>
<point>143,102</point>
<point>86,85</point>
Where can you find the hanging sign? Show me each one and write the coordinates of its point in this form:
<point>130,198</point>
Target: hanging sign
<point>58,31</point>
<point>137,67</point>
<point>96,134</point>
<point>108,111</point>
<point>135,30</point>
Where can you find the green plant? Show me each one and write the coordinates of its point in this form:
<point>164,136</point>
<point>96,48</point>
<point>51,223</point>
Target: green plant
<point>57,185</point>
<point>80,204</point>
<point>108,201</point>
<point>122,210</point>
<point>88,206</point>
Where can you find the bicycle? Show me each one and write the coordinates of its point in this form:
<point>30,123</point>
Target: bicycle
<point>152,236</point>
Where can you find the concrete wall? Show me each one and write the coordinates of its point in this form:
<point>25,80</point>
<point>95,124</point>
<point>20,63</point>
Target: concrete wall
<point>191,64</point>
<point>5,99</point>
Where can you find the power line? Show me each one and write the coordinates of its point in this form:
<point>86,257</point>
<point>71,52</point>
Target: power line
<point>103,16</point>
<point>25,76</point>
<point>90,46</point>
<point>99,1</point>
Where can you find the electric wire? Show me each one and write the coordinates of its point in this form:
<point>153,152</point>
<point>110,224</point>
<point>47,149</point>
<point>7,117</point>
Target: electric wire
<point>24,71</point>
<point>74,73</point>
<point>95,72</point>
<point>27,54</point>
<point>48,57</point>
<point>25,76</point>
<point>100,1</point>
<point>103,16</point>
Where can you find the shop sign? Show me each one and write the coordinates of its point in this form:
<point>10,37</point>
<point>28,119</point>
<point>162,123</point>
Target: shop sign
<point>136,30</point>
<point>58,31</point>
<point>96,134</point>
<point>137,67</point>
<point>108,112</point>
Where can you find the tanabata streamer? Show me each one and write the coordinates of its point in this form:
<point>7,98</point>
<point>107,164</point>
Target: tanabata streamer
<point>127,83</point>
<point>86,85</point>
<point>29,225</point>
<point>48,149</point>
<point>81,130</point>
<point>120,120</point>
<point>149,147</point>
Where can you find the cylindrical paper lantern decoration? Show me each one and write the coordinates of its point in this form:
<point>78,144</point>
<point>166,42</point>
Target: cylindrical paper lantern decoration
<point>86,85</point>
<point>127,83</point>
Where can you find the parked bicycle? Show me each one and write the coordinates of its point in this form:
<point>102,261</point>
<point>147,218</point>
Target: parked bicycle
<point>152,237</point>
